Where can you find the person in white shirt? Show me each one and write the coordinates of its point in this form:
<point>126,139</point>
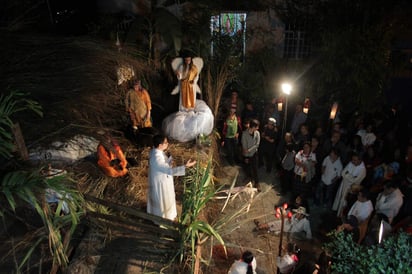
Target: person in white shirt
<point>305,161</point>
<point>389,201</point>
<point>246,265</point>
<point>363,207</point>
<point>331,173</point>
<point>353,173</point>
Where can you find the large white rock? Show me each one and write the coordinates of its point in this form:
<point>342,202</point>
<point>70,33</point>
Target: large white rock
<point>76,148</point>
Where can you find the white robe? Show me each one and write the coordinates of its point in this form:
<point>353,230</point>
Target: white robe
<point>351,174</point>
<point>161,195</point>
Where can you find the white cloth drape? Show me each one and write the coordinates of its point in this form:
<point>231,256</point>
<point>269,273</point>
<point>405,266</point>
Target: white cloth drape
<point>185,126</point>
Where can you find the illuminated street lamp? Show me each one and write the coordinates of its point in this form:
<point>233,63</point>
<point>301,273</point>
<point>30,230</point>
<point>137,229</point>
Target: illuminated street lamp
<point>286,89</point>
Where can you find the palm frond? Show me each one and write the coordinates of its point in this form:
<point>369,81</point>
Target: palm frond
<point>11,104</point>
<point>28,188</point>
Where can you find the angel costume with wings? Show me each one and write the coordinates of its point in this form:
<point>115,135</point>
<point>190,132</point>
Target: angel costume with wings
<point>194,116</point>
<point>187,70</point>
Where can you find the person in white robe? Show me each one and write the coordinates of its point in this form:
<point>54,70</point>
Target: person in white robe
<point>352,174</point>
<point>161,199</point>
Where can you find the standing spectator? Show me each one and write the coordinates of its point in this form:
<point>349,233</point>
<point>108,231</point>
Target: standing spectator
<point>389,201</point>
<point>268,145</point>
<point>335,142</point>
<point>139,106</point>
<point>369,138</point>
<point>231,128</point>
<point>356,146</point>
<point>249,112</point>
<point>320,134</point>
<point>246,265</point>
<point>305,162</point>
<point>271,111</point>
<point>234,102</point>
<point>331,173</point>
<point>298,119</point>
<point>299,201</point>
<point>302,136</point>
<point>281,147</point>
<point>161,194</point>
<point>288,165</point>
<point>250,146</point>
<point>371,160</point>
<point>316,149</point>
<point>353,173</point>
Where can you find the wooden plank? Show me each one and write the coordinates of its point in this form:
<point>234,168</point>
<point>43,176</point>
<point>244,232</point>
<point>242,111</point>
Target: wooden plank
<point>18,137</point>
<point>134,212</point>
<point>136,226</point>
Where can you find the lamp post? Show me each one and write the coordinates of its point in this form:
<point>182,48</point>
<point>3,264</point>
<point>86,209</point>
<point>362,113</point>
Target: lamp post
<point>281,213</point>
<point>286,89</point>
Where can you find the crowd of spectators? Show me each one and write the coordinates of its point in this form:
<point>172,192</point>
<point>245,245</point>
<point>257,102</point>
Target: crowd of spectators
<point>358,167</point>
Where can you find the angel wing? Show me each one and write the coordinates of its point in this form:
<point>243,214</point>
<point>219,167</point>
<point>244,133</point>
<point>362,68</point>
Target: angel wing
<point>176,63</point>
<point>199,64</point>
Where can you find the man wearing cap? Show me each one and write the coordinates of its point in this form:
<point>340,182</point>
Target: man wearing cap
<point>299,225</point>
<point>268,144</point>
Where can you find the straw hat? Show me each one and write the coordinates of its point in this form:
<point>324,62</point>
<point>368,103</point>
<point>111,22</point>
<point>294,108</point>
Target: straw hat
<point>300,210</point>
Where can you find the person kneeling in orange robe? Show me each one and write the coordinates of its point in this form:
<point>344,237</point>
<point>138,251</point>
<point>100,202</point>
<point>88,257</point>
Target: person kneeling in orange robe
<point>110,158</point>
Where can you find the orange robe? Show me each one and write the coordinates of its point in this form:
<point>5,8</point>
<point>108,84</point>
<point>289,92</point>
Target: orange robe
<point>138,104</point>
<point>188,94</point>
<point>104,158</point>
